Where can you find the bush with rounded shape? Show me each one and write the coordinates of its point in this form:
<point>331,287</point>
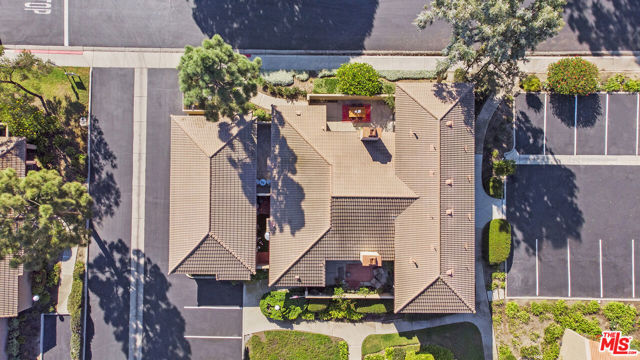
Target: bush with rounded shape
<point>531,352</point>
<point>344,350</point>
<point>358,79</point>
<point>531,83</point>
<point>573,76</point>
<point>504,167</point>
<point>413,356</point>
<point>614,83</point>
<point>496,188</point>
<point>622,317</point>
<point>551,352</point>
<point>499,241</point>
<point>279,77</point>
<point>552,333</point>
<point>631,85</point>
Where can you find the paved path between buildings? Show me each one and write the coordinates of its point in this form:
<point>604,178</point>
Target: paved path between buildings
<point>169,58</point>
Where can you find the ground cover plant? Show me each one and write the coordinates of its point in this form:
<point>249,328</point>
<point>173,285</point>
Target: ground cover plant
<point>443,342</point>
<point>534,330</point>
<point>294,345</point>
<point>573,76</point>
<point>498,241</point>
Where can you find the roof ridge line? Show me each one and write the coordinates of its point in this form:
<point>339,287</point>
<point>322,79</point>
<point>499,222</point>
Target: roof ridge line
<point>464,301</point>
<point>173,269</point>
<point>244,127</point>
<point>411,299</point>
<point>307,140</point>
<point>456,103</point>
<point>173,117</point>
<point>233,253</point>
<point>416,101</point>
<point>287,268</point>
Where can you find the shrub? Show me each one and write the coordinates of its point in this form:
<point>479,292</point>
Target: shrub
<point>592,307</point>
<point>261,115</point>
<point>75,309</point>
<point>411,355</point>
<point>499,241</point>
<point>614,83</point>
<point>621,317</point>
<point>302,75</point>
<point>504,167</point>
<point>552,333</point>
<point>573,76</point>
<point>460,76</point>
<point>390,99</point>
<point>512,309</point>
<point>631,85</point>
<point>496,187</point>
<point>537,309</point>
<point>395,75</point>
<point>635,344</point>
<point>53,278</point>
<point>308,316</point>
<point>358,79</point>
<point>530,352</point>
<point>279,78</point>
<point>344,350</point>
<point>270,301</point>
<point>316,307</point>
<point>325,86</point>
<point>523,317</point>
<point>395,353</point>
<point>572,319</point>
<point>504,353</point>
<point>531,84</point>
<point>375,357</point>
<point>552,352</point>
<point>327,73</point>
<point>438,352</point>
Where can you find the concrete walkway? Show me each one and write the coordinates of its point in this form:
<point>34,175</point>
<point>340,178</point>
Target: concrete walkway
<point>66,280</point>
<point>169,58</point>
<point>577,160</point>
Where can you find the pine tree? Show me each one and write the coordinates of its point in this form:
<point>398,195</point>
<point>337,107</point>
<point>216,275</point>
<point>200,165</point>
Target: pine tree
<point>216,79</point>
<point>489,37</point>
<point>40,216</point>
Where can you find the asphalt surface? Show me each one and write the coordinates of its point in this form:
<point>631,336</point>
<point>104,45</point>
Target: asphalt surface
<point>110,186</point>
<point>594,129</point>
<point>181,315</point>
<point>591,25</point>
<point>56,337</point>
<point>570,210</point>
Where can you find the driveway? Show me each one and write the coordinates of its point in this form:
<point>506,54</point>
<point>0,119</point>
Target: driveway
<point>56,337</point>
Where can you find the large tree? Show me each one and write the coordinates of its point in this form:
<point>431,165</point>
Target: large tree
<point>15,71</point>
<point>490,36</point>
<point>40,216</point>
<point>217,79</point>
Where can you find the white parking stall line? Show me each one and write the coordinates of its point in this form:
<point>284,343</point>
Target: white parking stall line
<point>211,337</point>
<point>544,131</point>
<point>637,121</point>
<point>601,289</point>
<point>568,268</point>
<point>633,268</point>
<point>66,22</point>
<point>537,277</point>
<point>575,126</point>
<point>231,307</point>
<point>606,124</point>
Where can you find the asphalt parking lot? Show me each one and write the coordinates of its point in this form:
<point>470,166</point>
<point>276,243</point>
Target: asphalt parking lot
<point>55,337</point>
<point>598,124</point>
<point>575,231</point>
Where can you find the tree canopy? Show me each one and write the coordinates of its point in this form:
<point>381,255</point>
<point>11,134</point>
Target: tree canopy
<point>25,66</point>
<point>40,216</point>
<point>217,79</point>
<point>489,37</point>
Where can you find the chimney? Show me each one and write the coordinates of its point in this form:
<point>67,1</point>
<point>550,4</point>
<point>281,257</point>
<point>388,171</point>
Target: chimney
<point>450,123</point>
<point>450,272</point>
<point>449,181</point>
<point>297,278</point>
<point>450,212</point>
<point>370,134</point>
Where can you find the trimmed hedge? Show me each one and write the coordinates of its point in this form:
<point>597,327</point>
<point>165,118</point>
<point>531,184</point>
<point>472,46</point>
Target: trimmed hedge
<point>316,307</point>
<point>358,79</point>
<point>573,76</point>
<point>395,75</point>
<point>374,307</point>
<point>496,188</point>
<point>499,241</point>
<point>75,309</point>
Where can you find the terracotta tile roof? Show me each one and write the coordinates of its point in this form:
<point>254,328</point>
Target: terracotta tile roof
<point>13,153</point>
<point>409,196</point>
<point>212,197</point>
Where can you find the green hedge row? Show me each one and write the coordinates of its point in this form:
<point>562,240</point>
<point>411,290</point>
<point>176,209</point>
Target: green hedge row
<point>499,241</point>
<point>75,309</point>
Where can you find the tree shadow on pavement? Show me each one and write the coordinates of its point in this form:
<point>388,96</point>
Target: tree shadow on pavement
<point>103,189</point>
<point>287,24</point>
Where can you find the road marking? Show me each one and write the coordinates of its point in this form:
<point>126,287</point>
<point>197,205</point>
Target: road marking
<point>575,126</point>
<point>601,291</point>
<point>544,131</point>
<point>637,120</point>
<point>231,307</point>
<point>66,22</point>
<point>569,268</point>
<point>606,125</point>
<point>537,288</point>
<point>211,337</point>
<point>137,213</point>
<point>633,268</point>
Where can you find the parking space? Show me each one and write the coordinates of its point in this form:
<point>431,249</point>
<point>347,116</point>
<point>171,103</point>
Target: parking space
<point>56,337</point>
<point>33,22</point>
<point>568,242</point>
<point>598,124</point>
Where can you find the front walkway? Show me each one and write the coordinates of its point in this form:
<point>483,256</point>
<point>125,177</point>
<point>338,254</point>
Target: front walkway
<point>66,279</point>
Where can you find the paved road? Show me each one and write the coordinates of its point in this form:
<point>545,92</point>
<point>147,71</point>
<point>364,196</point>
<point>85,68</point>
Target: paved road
<point>595,25</point>
<point>110,186</point>
<point>56,337</point>
<point>183,317</point>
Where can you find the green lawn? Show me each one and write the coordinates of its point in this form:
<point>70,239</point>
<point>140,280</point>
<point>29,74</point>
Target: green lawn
<point>325,85</point>
<point>463,339</point>
<point>58,85</point>
<point>292,345</point>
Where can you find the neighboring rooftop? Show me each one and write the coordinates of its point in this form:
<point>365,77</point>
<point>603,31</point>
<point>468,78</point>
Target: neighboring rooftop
<point>408,196</point>
<point>13,152</point>
<point>213,198</point>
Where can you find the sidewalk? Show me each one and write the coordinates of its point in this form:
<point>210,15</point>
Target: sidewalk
<point>169,58</point>
<point>66,279</point>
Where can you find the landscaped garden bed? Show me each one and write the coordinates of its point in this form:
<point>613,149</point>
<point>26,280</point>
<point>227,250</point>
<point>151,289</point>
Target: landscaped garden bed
<point>498,140</point>
<point>533,330</point>
<point>459,341</point>
<point>294,345</point>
